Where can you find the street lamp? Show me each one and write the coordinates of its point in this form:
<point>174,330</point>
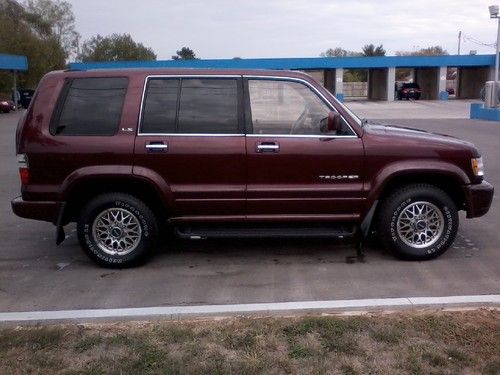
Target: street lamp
<point>494,14</point>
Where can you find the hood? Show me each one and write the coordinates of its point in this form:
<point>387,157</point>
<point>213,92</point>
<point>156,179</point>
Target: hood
<point>417,134</point>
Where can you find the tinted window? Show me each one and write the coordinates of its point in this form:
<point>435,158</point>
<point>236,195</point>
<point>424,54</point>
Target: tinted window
<point>160,105</point>
<point>92,106</point>
<point>208,106</point>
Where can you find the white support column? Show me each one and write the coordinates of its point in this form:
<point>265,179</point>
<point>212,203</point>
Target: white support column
<point>443,71</point>
<point>491,74</point>
<point>391,82</point>
<point>339,83</point>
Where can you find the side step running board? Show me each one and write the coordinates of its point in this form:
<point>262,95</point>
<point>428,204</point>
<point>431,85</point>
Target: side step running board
<point>198,233</point>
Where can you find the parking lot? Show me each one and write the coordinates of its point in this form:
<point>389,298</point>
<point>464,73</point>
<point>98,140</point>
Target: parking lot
<point>35,274</point>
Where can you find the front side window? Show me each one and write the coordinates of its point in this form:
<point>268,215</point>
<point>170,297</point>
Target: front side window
<point>91,106</point>
<point>286,107</point>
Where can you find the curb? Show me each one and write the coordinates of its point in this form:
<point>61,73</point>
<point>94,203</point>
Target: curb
<point>278,308</point>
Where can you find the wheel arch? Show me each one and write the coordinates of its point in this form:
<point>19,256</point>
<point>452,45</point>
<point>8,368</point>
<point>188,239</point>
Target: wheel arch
<point>450,184</point>
<point>447,183</point>
<point>83,190</point>
<point>446,176</point>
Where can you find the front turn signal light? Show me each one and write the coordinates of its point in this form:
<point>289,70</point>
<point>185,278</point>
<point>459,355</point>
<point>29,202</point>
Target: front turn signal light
<point>478,167</point>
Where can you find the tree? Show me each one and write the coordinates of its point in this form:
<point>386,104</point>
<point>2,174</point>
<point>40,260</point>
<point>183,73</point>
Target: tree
<point>116,47</point>
<point>185,53</point>
<point>370,50</point>
<point>338,52</point>
<point>26,33</point>
<point>56,16</point>
<point>428,51</point>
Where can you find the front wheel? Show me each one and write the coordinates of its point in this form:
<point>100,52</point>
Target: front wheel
<point>117,230</point>
<point>418,222</point>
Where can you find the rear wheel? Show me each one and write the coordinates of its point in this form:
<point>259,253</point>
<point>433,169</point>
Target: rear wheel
<point>117,230</point>
<point>418,222</point>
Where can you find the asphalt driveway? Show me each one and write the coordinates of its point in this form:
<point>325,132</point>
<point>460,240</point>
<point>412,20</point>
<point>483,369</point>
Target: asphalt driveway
<point>35,274</point>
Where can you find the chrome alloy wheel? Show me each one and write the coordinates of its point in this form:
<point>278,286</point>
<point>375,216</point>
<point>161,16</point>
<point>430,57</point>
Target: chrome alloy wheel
<point>117,231</point>
<point>420,224</point>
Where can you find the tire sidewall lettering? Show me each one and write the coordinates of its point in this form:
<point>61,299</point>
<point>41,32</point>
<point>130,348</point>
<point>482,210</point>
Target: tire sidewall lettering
<point>138,214</point>
<point>394,218</point>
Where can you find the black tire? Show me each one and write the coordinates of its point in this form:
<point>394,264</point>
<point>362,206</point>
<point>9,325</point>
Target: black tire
<point>132,233</point>
<point>436,225</point>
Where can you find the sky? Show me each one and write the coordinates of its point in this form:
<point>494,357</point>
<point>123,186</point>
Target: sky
<point>289,28</point>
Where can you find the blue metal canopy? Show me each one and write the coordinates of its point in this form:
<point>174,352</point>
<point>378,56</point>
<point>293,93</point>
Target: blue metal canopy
<point>13,62</point>
<point>304,63</point>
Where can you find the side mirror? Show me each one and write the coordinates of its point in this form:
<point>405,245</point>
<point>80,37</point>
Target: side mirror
<point>334,123</point>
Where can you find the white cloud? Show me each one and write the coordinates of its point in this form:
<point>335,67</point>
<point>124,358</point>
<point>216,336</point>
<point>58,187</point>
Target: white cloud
<point>288,28</point>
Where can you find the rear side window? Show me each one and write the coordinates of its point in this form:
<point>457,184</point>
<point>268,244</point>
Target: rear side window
<point>90,106</point>
<point>209,106</point>
<point>160,104</point>
<point>191,106</point>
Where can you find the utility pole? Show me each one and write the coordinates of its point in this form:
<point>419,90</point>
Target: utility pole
<point>14,90</point>
<point>494,13</point>
<point>459,40</point>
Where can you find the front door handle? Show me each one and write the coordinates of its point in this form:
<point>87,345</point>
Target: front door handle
<point>268,147</point>
<point>156,147</point>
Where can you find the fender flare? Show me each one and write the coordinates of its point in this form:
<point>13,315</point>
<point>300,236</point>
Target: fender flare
<point>418,167</point>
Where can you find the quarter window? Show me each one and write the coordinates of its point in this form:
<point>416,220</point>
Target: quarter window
<point>91,106</point>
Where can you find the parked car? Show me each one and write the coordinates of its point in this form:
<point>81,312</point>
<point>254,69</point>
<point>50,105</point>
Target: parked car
<point>7,105</point>
<point>25,97</point>
<point>241,153</point>
<point>409,91</point>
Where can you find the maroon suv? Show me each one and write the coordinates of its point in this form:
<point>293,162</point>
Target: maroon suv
<point>232,154</point>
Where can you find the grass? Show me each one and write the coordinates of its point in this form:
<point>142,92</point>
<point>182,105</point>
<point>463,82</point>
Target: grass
<point>398,343</point>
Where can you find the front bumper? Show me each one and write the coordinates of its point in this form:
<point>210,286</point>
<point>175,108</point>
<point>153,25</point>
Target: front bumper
<point>37,210</point>
<point>478,198</point>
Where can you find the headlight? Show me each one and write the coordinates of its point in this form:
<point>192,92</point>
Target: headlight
<point>478,167</point>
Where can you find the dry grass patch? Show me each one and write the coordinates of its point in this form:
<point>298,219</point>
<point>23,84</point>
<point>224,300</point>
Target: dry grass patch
<point>400,343</point>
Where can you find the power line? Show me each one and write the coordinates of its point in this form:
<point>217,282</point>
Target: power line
<point>471,39</point>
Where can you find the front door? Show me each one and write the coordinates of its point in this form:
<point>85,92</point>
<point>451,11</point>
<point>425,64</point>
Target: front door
<point>296,168</point>
<point>192,136</point>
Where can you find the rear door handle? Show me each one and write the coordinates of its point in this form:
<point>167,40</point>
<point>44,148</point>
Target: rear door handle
<point>156,147</point>
<point>268,147</point>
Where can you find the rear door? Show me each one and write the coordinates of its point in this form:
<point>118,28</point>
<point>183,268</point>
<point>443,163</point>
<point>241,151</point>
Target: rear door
<point>296,169</point>
<point>191,134</point>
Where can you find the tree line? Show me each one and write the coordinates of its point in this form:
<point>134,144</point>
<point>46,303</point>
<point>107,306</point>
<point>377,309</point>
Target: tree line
<point>370,50</point>
<point>45,32</point>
